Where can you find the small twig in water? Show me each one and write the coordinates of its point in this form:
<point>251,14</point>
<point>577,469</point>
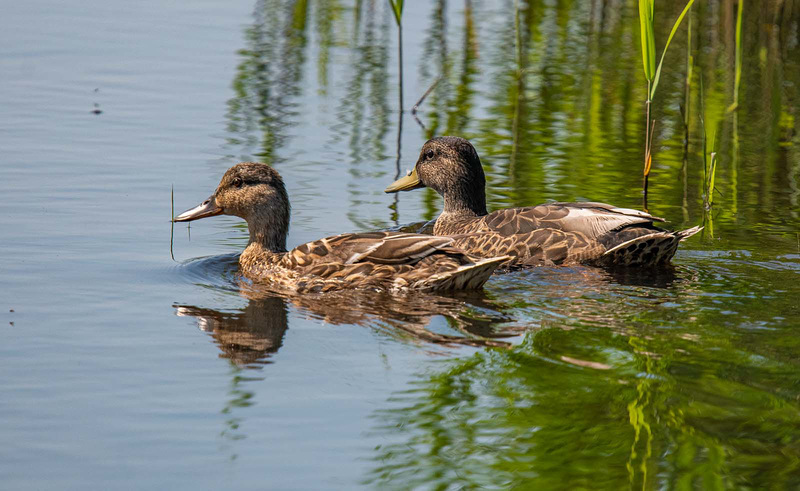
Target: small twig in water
<point>421,99</point>
<point>172,221</point>
<point>426,94</point>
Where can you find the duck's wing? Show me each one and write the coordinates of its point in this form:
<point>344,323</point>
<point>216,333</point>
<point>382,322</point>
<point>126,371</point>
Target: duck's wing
<point>373,247</point>
<point>388,260</point>
<point>539,247</point>
<point>588,219</point>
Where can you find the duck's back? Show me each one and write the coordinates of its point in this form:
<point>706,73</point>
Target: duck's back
<point>562,233</point>
<point>379,260</point>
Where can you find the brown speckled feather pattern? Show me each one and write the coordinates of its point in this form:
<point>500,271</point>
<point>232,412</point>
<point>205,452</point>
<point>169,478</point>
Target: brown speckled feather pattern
<point>562,234</point>
<point>552,233</point>
<point>377,260</point>
<point>388,261</point>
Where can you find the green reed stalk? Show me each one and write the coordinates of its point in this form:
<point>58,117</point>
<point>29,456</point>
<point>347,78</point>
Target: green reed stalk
<point>172,220</point>
<point>666,46</point>
<point>648,36</point>
<point>397,9</point>
<point>709,172</point>
<point>652,73</point>
<point>709,156</point>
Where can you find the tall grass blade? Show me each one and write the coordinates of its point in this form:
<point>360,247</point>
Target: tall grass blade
<point>709,159</point>
<point>705,136</point>
<point>397,9</point>
<point>172,221</point>
<point>712,172</point>
<point>647,35</point>
<point>666,46</point>
<point>648,38</point>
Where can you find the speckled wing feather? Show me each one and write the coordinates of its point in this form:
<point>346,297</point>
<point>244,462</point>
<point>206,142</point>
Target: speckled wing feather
<point>555,233</point>
<point>377,247</point>
<point>385,260</point>
<point>657,247</point>
<point>590,219</point>
<point>540,247</point>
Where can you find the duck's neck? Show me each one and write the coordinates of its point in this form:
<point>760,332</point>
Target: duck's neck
<point>463,202</point>
<point>256,254</point>
<point>261,251</point>
<point>267,240</point>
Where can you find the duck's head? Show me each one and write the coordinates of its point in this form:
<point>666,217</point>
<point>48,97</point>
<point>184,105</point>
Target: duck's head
<point>255,192</point>
<point>450,166</point>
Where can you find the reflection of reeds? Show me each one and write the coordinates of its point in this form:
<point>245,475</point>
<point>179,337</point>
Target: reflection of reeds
<point>515,121</point>
<point>708,124</point>
<point>738,75</point>
<point>686,110</point>
<point>688,86</point>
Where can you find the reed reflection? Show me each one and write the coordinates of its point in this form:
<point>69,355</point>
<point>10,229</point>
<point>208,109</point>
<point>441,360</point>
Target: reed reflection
<point>563,119</point>
<point>268,80</point>
<point>621,385</point>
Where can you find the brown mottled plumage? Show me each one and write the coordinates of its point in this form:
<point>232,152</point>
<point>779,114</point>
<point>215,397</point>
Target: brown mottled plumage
<point>376,260</point>
<point>552,233</point>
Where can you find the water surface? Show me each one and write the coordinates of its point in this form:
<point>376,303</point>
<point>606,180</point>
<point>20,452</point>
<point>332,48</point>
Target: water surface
<point>123,368</point>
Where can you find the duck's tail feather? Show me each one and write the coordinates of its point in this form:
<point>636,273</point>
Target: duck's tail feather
<point>646,250</point>
<point>467,277</point>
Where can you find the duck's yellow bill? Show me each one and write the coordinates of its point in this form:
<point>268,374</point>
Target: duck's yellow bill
<point>411,181</point>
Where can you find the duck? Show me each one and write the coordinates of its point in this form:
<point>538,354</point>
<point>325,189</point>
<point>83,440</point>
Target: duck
<point>548,234</point>
<point>379,261</point>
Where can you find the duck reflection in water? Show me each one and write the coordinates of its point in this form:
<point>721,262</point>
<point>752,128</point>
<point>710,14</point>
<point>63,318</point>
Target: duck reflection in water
<point>250,337</point>
<point>247,338</point>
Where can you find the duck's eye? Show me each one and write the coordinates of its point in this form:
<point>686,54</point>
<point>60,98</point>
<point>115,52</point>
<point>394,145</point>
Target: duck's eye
<point>237,182</point>
<point>429,154</point>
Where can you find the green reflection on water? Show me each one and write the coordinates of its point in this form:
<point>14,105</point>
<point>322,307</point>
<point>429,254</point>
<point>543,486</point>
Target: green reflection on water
<point>268,79</point>
<point>680,383</point>
<point>622,386</point>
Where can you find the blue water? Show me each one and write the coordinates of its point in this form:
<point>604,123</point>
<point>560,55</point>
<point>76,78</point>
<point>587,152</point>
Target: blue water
<point>123,368</point>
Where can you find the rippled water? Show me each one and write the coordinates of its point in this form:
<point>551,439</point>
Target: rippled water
<point>121,367</point>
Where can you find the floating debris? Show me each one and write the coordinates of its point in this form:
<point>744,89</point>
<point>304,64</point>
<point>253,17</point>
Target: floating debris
<point>97,109</point>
